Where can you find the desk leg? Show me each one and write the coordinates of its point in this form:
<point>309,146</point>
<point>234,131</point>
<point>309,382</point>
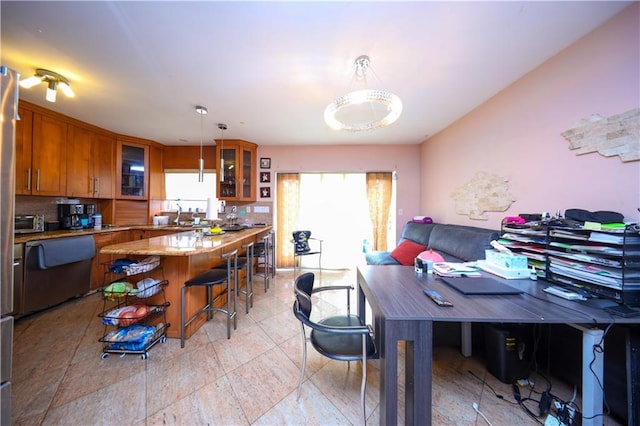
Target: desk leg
<point>418,336</point>
<point>591,380</point>
<point>465,337</point>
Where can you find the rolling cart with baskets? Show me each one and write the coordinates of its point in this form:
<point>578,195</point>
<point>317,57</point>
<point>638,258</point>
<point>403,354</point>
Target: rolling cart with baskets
<point>134,310</point>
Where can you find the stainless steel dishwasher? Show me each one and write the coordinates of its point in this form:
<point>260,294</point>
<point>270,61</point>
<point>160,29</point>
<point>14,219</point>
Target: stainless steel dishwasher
<point>68,276</point>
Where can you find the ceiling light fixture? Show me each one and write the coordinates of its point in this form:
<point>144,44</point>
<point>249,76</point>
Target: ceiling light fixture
<point>53,80</point>
<point>222,128</point>
<point>202,111</point>
<point>383,107</point>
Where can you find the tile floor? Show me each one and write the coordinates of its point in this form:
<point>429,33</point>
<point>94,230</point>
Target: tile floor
<point>59,377</point>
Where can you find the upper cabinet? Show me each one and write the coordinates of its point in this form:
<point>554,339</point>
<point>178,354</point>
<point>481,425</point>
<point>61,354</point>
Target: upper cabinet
<point>24,139</point>
<point>238,182</point>
<point>41,154</point>
<point>90,163</point>
<point>132,175</point>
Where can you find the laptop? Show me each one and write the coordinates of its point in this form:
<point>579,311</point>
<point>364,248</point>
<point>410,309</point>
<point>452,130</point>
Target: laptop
<point>481,285</point>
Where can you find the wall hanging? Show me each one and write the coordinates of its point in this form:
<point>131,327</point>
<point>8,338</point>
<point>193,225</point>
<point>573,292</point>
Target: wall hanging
<point>616,135</point>
<point>485,192</point>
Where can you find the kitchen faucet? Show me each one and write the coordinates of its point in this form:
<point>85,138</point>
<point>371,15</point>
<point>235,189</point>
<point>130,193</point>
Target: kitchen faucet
<point>177,221</point>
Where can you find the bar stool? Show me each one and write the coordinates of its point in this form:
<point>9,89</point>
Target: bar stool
<point>265,255</point>
<point>245,262</point>
<point>210,279</point>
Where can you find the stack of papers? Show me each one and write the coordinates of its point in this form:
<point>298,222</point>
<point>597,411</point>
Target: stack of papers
<point>453,269</point>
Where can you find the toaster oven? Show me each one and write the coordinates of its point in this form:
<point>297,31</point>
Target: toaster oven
<point>26,224</point>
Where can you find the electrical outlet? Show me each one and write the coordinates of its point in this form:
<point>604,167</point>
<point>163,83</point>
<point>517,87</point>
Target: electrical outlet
<point>400,212</point>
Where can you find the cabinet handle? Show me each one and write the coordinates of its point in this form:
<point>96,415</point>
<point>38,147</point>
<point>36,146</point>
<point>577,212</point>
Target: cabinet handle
<point>29,178</point>
<point>96,186</point>
<point>91,185</point>
<point>38,179</point>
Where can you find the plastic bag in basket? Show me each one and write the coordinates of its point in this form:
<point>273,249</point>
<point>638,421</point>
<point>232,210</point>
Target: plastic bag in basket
<point>133,337</point>
<point>126,315</point>
<point>119,289</point>
<point>147,287</point>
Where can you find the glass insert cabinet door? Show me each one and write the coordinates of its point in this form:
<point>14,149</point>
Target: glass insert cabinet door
<point>132,160</point>
<point>228,182</point>
<point>237,169</point>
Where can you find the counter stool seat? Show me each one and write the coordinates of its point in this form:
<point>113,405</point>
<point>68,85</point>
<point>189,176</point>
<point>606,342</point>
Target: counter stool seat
<point>209,279</point>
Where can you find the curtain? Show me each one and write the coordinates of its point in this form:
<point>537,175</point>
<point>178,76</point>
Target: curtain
<point>379,187</point>
<point>288,208</point>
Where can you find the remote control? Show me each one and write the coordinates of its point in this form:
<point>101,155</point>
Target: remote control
<point>564,293</point>
<point>439,300</point>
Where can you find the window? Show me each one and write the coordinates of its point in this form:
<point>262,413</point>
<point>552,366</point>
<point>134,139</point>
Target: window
<point>183,189</point>
<point>335,208</point>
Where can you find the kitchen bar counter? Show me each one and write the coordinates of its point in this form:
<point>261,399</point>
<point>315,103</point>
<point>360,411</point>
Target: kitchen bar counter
<point>63,233</point>
<point>183,256</point>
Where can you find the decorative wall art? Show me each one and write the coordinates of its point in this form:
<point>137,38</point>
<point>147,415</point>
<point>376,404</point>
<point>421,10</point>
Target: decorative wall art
<point>616,135</point>
<point>265,163</point>
<point>486,192</point>
<point>265,177</point>
<point>265,192</point>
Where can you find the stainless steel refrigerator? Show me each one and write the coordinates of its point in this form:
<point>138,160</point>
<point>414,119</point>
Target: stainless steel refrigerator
<point>8,111</point>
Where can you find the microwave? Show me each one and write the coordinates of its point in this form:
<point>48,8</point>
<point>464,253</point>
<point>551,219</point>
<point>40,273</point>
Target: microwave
<point>26,224</point>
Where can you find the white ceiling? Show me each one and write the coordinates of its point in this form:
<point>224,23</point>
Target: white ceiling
<point>269,69</point>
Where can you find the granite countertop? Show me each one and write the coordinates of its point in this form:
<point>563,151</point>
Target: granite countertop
<point>63,233</point>
<point>185,243</point>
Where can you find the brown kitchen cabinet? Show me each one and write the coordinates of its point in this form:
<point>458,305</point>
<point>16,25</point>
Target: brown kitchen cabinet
<point>24,139</point>
<point>239,171</point>
<point>41,154</point>
<point>90,163</point>
<point>99,260</point>
<point>132,169</point>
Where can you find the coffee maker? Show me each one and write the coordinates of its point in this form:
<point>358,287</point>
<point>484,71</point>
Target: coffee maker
<point>72,216</point>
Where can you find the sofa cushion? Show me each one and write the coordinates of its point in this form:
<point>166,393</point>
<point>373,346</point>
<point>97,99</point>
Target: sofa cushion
<point>417,232</point>
<point>466,243</point>
<point>407,251</point>
<point>379,257</point>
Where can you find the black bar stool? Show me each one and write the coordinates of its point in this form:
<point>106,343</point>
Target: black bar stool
<point>264,253</point>
<point>209,279</point>
<point>245,262</point>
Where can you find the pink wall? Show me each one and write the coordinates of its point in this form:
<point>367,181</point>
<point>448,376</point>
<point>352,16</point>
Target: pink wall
<point>516,134</point>
<point>404,159</point>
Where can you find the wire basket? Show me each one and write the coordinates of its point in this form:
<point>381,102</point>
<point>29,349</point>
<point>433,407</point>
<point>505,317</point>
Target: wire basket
<point>145,265</point>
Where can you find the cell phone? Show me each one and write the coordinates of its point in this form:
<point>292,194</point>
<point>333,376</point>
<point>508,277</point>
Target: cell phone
<point>437,298</point>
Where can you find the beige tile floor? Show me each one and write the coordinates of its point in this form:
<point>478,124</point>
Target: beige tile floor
<point>59,377</point>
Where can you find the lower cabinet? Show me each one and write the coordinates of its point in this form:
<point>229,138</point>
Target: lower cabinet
<point>99,260</point>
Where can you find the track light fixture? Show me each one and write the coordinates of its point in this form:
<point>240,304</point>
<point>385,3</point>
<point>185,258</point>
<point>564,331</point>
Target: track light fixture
<point>53,80</point>
<point>202,111</point>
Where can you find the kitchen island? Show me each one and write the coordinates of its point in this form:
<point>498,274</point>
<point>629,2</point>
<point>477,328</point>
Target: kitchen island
<point>183,256</point>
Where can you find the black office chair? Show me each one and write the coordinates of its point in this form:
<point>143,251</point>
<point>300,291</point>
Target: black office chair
<point>302,247</point>
<point>341,337</point>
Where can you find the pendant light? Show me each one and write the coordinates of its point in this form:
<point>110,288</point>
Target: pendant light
<point>222,128</point>
<point>202,111</point>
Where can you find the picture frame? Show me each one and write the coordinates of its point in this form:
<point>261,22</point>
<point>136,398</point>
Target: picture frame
<point>265,192</point>
<point>265,163</point>
<point>265,177</point>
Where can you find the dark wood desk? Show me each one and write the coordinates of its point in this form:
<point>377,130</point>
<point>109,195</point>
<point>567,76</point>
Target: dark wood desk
<point>401,312</point>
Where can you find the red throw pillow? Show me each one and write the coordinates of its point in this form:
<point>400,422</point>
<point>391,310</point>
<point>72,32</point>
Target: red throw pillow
<point>406,252</point>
